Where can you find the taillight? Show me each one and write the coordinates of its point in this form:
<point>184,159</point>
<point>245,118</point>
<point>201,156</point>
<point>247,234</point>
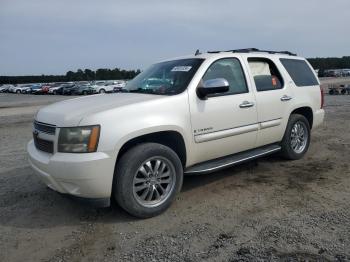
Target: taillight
<point>322,97</point>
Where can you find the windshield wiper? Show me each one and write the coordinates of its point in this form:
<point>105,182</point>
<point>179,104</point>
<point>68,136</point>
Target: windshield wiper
<point>144,91</point>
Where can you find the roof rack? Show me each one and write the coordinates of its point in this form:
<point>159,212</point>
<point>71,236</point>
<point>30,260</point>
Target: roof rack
<point>254,50</point>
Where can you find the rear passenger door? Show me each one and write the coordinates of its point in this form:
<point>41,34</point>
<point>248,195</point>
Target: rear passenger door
<point>274,98</point>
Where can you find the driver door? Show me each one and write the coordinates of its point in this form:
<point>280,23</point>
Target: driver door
<point>224,123</point>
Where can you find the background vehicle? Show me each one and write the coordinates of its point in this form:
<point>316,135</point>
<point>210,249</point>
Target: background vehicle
<point>119,86</point>
<point>85,89</point>
<point>193,115</point>
<point>58,90</point>
<point>36,89</point>
<point>96,85</point>
<point>67,89</point>
<point>5,88</point>
<point>21,89</point>
<point>11,89</point>
<point>107,87</point>
<point>339,89</point>
<point>46,87</point>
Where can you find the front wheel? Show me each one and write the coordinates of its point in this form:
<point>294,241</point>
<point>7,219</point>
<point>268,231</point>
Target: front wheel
<point>147,178</point>
<point>296,139</point>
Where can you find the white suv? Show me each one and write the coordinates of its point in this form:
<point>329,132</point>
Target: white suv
<point>199,114</point>
<point>105,87</point>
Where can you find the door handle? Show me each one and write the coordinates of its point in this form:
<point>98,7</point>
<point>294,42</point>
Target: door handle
<point>286,98</point>
<point>246,104</point>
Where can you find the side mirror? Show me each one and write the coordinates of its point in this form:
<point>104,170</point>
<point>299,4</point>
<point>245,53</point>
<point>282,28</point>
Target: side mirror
<point>213,86</point>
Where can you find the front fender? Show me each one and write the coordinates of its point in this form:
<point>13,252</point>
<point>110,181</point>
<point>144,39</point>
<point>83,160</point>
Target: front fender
<point>150,130</point>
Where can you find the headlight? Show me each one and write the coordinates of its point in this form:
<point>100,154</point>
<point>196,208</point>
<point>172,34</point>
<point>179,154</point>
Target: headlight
<point>78,139</point>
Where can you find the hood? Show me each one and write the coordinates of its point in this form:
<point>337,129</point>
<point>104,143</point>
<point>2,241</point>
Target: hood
<point>71,112</point>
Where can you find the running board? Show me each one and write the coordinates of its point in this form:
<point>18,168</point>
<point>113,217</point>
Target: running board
<point>231,160</point>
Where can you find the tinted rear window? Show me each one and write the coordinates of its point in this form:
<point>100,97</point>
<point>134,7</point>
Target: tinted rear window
<point>300,72</point>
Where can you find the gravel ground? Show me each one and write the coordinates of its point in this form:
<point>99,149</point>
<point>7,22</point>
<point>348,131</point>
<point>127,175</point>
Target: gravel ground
<point>269,209</point>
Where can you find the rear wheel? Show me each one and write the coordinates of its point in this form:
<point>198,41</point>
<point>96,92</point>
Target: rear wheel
<point>18,91</point>
<point>102,91</point>
<point>84,93</point>
<point>147,179</point>
<point>296,139</point>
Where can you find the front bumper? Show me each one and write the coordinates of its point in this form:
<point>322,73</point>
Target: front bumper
<point>88,175</point>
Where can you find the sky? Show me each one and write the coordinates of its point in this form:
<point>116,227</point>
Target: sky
<point>55,36</point>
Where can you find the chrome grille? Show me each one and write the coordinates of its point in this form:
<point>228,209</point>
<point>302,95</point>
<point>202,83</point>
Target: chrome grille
<point>45,128</point>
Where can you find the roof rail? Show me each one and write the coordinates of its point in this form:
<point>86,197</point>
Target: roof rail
<point>253,50</point>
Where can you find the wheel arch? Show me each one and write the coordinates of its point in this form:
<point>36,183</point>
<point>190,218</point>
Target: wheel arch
<point>172,139</point>
<point>305,111</point>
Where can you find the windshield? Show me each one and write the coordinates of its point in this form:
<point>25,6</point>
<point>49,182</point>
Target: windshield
<point>166,78</point>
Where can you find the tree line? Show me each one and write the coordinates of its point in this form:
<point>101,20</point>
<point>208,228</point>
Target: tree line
<point>329,63</point>
<point>79,75</point>
<point>108,74</point>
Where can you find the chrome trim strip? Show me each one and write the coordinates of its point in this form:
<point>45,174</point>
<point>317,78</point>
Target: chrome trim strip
<point>235,162</point>
<point>205,137</point>
<point>225,133</point>
<point>44,128</point>
<point>44,124</point>
<point>270,123</point>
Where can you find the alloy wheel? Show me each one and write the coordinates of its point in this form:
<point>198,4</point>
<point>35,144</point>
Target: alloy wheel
<point>154,181</point>
<point>299,137</point>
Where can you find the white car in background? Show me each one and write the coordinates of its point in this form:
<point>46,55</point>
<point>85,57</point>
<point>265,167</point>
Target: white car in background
<point>20,89</point>
<point>5,88</point>
<point>97,85</point>
<point>119,86</point>
<point>106,87</point>
<point>11,89</point>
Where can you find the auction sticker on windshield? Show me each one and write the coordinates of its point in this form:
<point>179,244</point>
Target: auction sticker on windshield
<point>181,69</point>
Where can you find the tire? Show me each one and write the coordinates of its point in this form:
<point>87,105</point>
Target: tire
<point>102,91</point>
<point>85,93</point>
<point>18,91</point>
<point>54,92</point>
<point>291,148</point>
<point>128,170</point>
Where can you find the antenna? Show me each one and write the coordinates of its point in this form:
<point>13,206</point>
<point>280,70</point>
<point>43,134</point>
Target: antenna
<point>197,52</point>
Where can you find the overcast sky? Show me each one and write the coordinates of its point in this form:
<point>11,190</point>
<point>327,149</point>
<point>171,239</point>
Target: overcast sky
<point>54,36</point>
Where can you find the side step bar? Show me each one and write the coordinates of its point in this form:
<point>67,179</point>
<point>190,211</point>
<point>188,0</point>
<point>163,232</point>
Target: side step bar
<point>231,160</point>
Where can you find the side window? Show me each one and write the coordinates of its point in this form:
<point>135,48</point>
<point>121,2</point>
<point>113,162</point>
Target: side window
<point>231,70</point>
<point>300,72</point>
<point>265,73</point>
